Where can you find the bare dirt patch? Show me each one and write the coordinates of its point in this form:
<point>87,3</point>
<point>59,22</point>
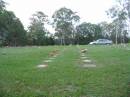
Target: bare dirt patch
<point>54,53</point>
<point>70,88</point>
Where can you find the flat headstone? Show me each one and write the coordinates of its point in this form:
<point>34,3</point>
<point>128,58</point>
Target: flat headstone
<point>70,88</point>
<point>54,56</point>
<point>82,55</point>
<point>48,61</point>
<point>87,61</point>
<point>42,66</point>
<point>89,65</point>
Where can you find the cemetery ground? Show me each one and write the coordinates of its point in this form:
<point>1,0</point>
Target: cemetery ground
<point>65,71</point>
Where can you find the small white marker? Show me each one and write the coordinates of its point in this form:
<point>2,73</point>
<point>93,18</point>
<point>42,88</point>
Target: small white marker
<point>42,66</point>
<point>48,61</point>
<point>89,65</point>
<point>87,61</point>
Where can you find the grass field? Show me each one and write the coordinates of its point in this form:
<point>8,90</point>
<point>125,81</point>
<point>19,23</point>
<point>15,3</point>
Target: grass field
<point>65,76</point>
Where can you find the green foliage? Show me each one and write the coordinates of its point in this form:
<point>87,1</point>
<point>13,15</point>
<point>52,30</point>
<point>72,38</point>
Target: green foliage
<point>2,5</point>
<point>11,29</point>
<point>120,15</point>
<point>67,30</point>
<point>37,34</point>
<point>63,21</point>
<point>87,32</point>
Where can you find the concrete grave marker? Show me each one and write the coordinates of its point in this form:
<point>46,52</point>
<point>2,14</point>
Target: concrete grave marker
<point>89,65</point>
<point>48,61</point>
<point>42,66</point>
<point>87,61</point>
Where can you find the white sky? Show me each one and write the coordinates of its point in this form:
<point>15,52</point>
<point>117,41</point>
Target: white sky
<point>89,10</point>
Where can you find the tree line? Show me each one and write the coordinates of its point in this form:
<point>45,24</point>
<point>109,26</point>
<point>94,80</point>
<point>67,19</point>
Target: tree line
<point>68,29</point>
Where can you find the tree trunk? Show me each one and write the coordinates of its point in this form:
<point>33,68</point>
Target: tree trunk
<point>116,35</point>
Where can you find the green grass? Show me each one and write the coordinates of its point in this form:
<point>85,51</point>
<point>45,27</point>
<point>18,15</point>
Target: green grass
<point>65,76</point>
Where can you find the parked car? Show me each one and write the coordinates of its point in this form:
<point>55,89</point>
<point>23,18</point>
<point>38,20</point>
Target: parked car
<point>102,42</point>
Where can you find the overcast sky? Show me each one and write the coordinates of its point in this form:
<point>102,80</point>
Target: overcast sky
<point>89,10</point>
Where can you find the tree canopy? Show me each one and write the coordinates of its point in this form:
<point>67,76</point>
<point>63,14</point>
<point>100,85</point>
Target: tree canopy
<point>63,22</point>
<point>11,29</point>
<point>67,25</point>
<point>38,34</point>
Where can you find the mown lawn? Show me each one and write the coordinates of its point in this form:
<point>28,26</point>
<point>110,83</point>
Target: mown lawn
<point>64,76</point>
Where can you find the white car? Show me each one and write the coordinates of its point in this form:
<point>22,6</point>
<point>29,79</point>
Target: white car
<point>102,42</point>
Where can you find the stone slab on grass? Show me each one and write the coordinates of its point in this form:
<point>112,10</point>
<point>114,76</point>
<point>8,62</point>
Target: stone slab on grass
<point>42,65</point>
<point>82,55</point>
<point>87,61</point>
<point>89,65</point>
<point>48,61</point>
<point>55,56</point>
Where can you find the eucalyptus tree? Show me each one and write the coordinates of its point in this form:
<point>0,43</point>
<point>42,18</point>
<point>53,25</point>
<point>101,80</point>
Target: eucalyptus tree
<point>11,29</point>
<point>108,30</point>
<point>87,32</point>
<point>84,33</point>
<point>37,34</point>
<point>2,35</point>
<point>2,5</point>
<point>119,15</point>
<point>127,8</point>
<point>105,29</point>
<point>64,21</point>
